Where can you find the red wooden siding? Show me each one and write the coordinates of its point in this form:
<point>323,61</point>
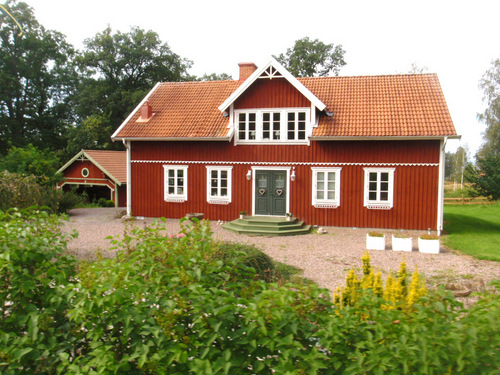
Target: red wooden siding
<point>276,93</point>
<point>415,186</point>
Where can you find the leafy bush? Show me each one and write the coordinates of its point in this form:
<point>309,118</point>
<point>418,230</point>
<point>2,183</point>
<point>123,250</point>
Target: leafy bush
<point>103,202</point>
<point>34,272</point>
<point>184,304</point>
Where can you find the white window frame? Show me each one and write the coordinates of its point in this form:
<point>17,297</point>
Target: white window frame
<point>218,199</point>
<point>179,198</point>
<point>378,203</point>
<point>325,203</point>
<point>259,129</point>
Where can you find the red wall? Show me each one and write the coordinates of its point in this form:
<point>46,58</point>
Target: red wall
<point>415,187</point>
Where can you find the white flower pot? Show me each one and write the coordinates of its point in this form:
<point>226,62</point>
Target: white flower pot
<point>375,243</point>
<point>401,244</point>
<point>428,246</point>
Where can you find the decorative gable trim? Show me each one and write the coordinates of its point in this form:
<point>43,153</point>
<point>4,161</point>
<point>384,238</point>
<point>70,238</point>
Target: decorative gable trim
<point>82,155</point>
<point>272,69</point>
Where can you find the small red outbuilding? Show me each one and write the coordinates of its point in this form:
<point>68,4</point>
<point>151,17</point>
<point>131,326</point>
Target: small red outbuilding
<point>102,174</point>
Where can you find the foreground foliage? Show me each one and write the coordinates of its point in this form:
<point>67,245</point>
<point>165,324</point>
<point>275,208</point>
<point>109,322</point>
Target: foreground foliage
<point>185,304</point>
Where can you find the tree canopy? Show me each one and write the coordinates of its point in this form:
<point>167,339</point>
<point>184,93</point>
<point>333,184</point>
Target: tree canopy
<point>37,82</point>
<point>312,58</point>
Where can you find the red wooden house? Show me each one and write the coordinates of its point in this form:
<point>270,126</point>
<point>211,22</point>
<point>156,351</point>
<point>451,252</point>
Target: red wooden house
<point>335,151</point>
<point>102,174</point>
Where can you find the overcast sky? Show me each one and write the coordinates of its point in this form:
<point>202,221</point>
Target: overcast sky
<point>455,39</point>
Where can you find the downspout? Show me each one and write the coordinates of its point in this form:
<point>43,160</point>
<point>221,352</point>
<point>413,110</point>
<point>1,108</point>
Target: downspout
<point>129,178</point>
<point>440,208</point>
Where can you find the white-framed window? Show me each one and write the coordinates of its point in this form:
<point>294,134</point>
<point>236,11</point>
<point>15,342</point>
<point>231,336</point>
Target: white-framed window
<point>326,187</point>
<point>176,179</point>
<point>280,125</point>
<point>85,172</point>
<point>379,188</point>
<point>219,184</point>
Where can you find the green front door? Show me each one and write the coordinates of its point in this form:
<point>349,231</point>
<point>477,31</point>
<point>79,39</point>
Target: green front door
<point>270,192</point>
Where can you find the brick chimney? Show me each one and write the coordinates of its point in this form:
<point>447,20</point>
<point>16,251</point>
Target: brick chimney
<point>146,111</point>
<point>246,70</point>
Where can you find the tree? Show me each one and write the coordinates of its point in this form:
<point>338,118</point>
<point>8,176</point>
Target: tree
<point>215,77</point>
<point>312,58</point>
<point>490,83</point>
<point>118,70</point>
<point>485,176</point>
<point>31,160</point>
<point>37,81</point>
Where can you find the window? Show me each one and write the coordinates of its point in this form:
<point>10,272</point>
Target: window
<point>175,183</point>
<point>379,186</point>
<point>272,126</point>
<point>219,185</point>
<point>85,172</point>
<point>326,187</point>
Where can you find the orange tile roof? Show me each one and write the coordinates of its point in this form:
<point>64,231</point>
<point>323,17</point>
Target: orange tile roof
<point>114,162</point>
<point>364,106</point>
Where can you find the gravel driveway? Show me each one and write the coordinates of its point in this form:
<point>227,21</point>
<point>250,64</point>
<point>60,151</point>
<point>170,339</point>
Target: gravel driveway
<point>324,258</point>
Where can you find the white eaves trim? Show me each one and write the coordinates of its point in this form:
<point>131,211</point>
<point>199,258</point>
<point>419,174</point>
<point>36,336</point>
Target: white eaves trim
<point>285,73</point>
<point>113,137</point>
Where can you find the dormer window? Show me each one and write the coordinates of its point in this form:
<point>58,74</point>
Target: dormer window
<point>288,125</point>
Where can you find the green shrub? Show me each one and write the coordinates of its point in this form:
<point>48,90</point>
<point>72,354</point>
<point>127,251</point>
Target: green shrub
<point>103,202</point>
<point>34,274</point>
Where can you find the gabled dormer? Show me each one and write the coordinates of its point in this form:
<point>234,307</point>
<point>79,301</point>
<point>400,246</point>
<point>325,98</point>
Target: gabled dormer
<point>271,107</point>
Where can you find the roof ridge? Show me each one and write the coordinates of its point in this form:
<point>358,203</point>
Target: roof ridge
<point>374,76</point>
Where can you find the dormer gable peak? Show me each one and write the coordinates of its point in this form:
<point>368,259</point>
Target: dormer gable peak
<point>272,69</point>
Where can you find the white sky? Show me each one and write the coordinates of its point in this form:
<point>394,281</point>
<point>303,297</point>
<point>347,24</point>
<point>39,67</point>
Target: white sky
<point>455,39</point>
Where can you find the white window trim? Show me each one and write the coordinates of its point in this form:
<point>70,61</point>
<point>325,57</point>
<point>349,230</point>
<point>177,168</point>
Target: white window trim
<point>216,199</point>
<point>378,204</point>
<point>326,203</point>
<point>176,198</point>
<point>283,126</point>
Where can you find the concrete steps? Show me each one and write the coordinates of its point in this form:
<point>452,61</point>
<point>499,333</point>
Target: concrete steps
<point>267,226</point>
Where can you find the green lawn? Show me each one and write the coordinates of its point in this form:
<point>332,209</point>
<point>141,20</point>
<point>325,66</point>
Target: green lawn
<point>474,230</point>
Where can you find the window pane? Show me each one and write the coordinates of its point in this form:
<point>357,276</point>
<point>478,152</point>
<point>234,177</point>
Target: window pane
<point>241,135</point>
<point>266,116</point>
<point>372,196</point>
<point>171,190</point>
<point>331,185</point>
<point>213,182</point>
<point>321,185</point>
<point>171,173</point>
<point>384,176</point>
<point>291,116</point>
<point>384,196</point>
<point>223,174</point>
<point>302,135</point>
<point>251,117</point>
<point>214,174</point>
<point>171,181</point>
<point>223,183</point>
<point>180,173</point>
<point>241,117</point>
<point>320,194</point>
<point>213,192</point>
<point>372,186</point>
<point>180,182</point>
<point>223,192</point>
<point>384,186</point>
<point>331,176</point>
<point>180,190</point>
<point>302,116</point>
<point>320,176</point>
<point>291,135</point>
<point>276,116</point>
<point>331,195</point>
<point>373,176</point>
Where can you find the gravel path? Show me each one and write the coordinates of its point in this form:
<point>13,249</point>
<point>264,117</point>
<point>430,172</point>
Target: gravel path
<point>324,258</point>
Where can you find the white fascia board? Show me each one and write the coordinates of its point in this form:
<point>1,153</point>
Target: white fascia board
<point>285,73</point>
<point>71,161</point>
<point>134,111</point>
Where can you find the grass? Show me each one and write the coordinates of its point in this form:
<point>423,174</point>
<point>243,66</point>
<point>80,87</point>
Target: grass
<point>474,230</point>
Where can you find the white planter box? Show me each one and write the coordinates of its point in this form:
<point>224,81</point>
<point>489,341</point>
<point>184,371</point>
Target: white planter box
<point>428,246</point>
<point>375,243</point>
<point>401,244</point>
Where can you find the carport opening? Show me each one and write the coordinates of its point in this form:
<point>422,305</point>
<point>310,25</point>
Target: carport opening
<point>91,194</point>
